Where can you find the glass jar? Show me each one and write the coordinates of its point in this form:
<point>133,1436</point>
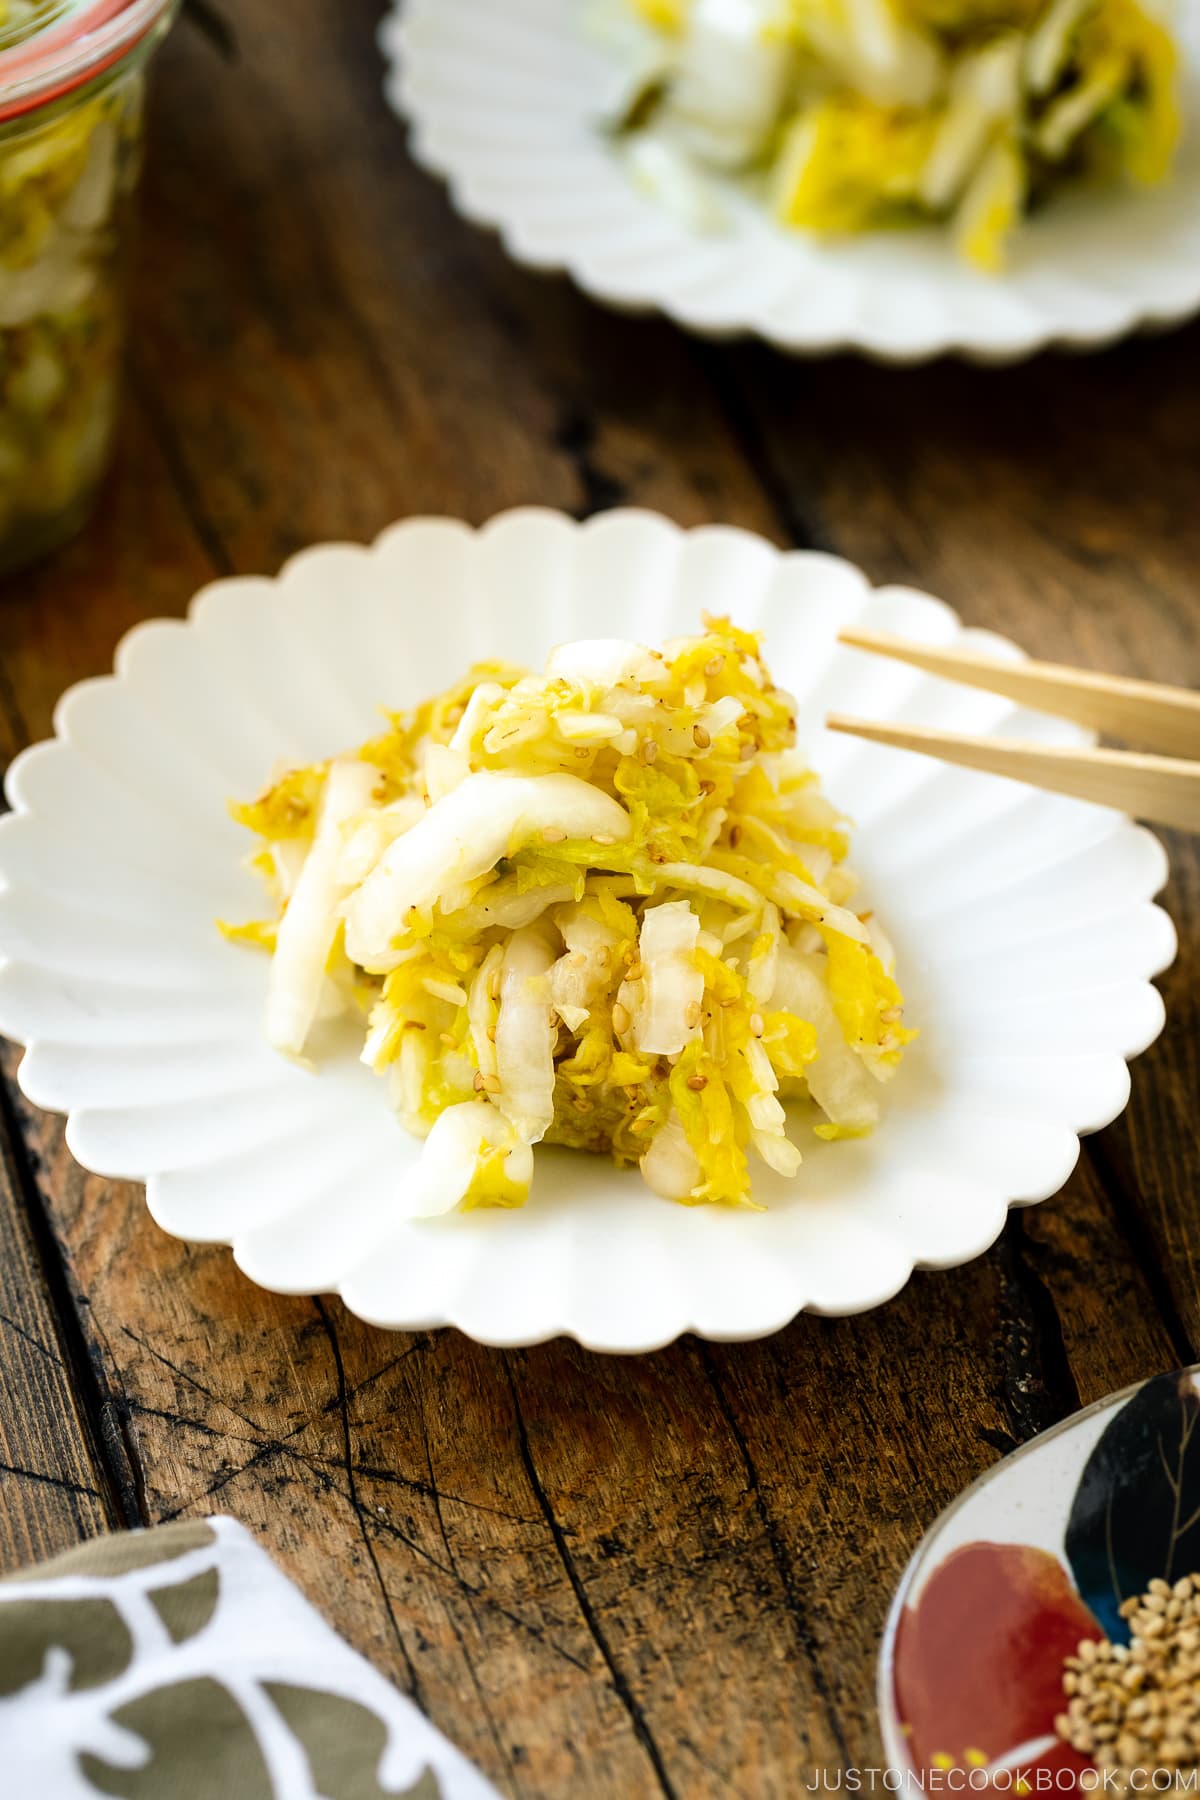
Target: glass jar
<point>72,78</point>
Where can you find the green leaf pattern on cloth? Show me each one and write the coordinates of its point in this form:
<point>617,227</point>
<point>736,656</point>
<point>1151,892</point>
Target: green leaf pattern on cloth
<point>201,1744</point>
<point>345,1743</point>
<point>180,1662</point>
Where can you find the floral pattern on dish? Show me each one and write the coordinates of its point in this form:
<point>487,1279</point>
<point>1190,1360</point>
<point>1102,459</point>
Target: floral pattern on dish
<point>1033,1560</point>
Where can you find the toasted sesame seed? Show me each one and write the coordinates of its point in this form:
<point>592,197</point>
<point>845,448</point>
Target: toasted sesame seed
<point>552,835</point>
<point>635,970</point>
<point>748,752</point>
<point>491,1084</point>
<point>621,1018</point>
<point>735,836</point>
<point>691,1017</point>
<point>714,665</point>
<point>448,1037</point>
<point>649,750</point>
<point>477,1083</point>
<point>494,985</point>
<point>701,737</point>
<point>1137,1706</point>
<point>707,788</point>
<point>604,837</point>
<point>697,1082</point>
<point>757,1027</point>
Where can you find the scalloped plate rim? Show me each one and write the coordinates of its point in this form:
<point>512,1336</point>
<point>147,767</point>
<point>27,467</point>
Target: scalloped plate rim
<point>1140,315</point>
<point>1132,1044</point>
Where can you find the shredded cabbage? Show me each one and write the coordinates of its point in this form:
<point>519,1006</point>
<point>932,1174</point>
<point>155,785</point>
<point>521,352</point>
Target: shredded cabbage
<point>849,115</point>
<point>605,907</point>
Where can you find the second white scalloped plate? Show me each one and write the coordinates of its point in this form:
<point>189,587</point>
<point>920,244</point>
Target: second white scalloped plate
<point>503,102</point>
<point>1024,929</point>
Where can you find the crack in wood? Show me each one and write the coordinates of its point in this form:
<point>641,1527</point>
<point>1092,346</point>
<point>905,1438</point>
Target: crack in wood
<point>1038,1388</point>
<point>281,1446</point>
<point>599,491</point>
<point>33,1342</point>
<point>498,1743</point>
<point>13,717</point>
<point>110,1452</point>
<point>215,1399</point>
<point>365,1471</point>
<point>261,1455</point>
<point>391,1477</point>
<point>1145,1250</point>
<point>173,1419</point>
<point>717,367</point>
<point>784,1568</point>
<point>214,26</point>
<point>187,492</point>
<point>620,1685</point>
<point>388,1528</point>
<point>60,1482</point>
<point>360,1511</point>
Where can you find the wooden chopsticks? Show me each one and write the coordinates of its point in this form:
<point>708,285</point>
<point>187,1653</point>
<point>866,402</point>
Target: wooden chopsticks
<point>1165,788</point>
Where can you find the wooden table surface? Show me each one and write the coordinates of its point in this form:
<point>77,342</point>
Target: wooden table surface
<point>600,1577</point>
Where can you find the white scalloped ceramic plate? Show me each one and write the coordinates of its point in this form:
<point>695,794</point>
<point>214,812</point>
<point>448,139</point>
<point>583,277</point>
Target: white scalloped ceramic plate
<point>1023,924</point>
<point>503,101</point>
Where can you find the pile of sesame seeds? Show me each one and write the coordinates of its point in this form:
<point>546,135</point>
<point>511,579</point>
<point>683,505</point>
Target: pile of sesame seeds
<point>1136,1706</point>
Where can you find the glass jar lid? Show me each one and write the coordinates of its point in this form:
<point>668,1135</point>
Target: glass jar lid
<point>49,47</point>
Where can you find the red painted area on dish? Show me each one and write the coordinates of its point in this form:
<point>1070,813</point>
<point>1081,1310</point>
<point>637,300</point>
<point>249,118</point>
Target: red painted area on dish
<point>978,1658</point>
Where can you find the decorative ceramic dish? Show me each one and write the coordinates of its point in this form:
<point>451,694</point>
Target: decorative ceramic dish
<point>505,106</point>
<point>1037,1556</point>
<point>1023,923</point>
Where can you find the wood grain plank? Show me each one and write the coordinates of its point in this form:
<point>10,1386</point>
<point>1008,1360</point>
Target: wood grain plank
<point>52,1484</point>
<point>654,1575</point>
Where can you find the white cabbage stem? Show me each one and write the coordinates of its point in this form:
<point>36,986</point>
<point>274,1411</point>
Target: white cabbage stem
<point>461,838</point>
<point>499,905</point>
<point>669,1166</point>
<point>451,1155</point>
<point>444,769</point>
<point>601,662</point>
<point>525,1034</point>
<point>581,976</point>
<point>838,1079</point>
<point>768,1121</point>
<point>368,837</point>
<point>309,925</point>
<point>669,1016</point>
<point>762,967</point>
<point>730,80</point>
<point>481,1009</point>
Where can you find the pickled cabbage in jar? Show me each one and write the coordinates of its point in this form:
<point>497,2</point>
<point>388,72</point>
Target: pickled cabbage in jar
<point>63,183</point>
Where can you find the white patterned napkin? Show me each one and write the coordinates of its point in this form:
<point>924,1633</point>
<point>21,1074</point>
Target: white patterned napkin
<point>179,1664</point>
